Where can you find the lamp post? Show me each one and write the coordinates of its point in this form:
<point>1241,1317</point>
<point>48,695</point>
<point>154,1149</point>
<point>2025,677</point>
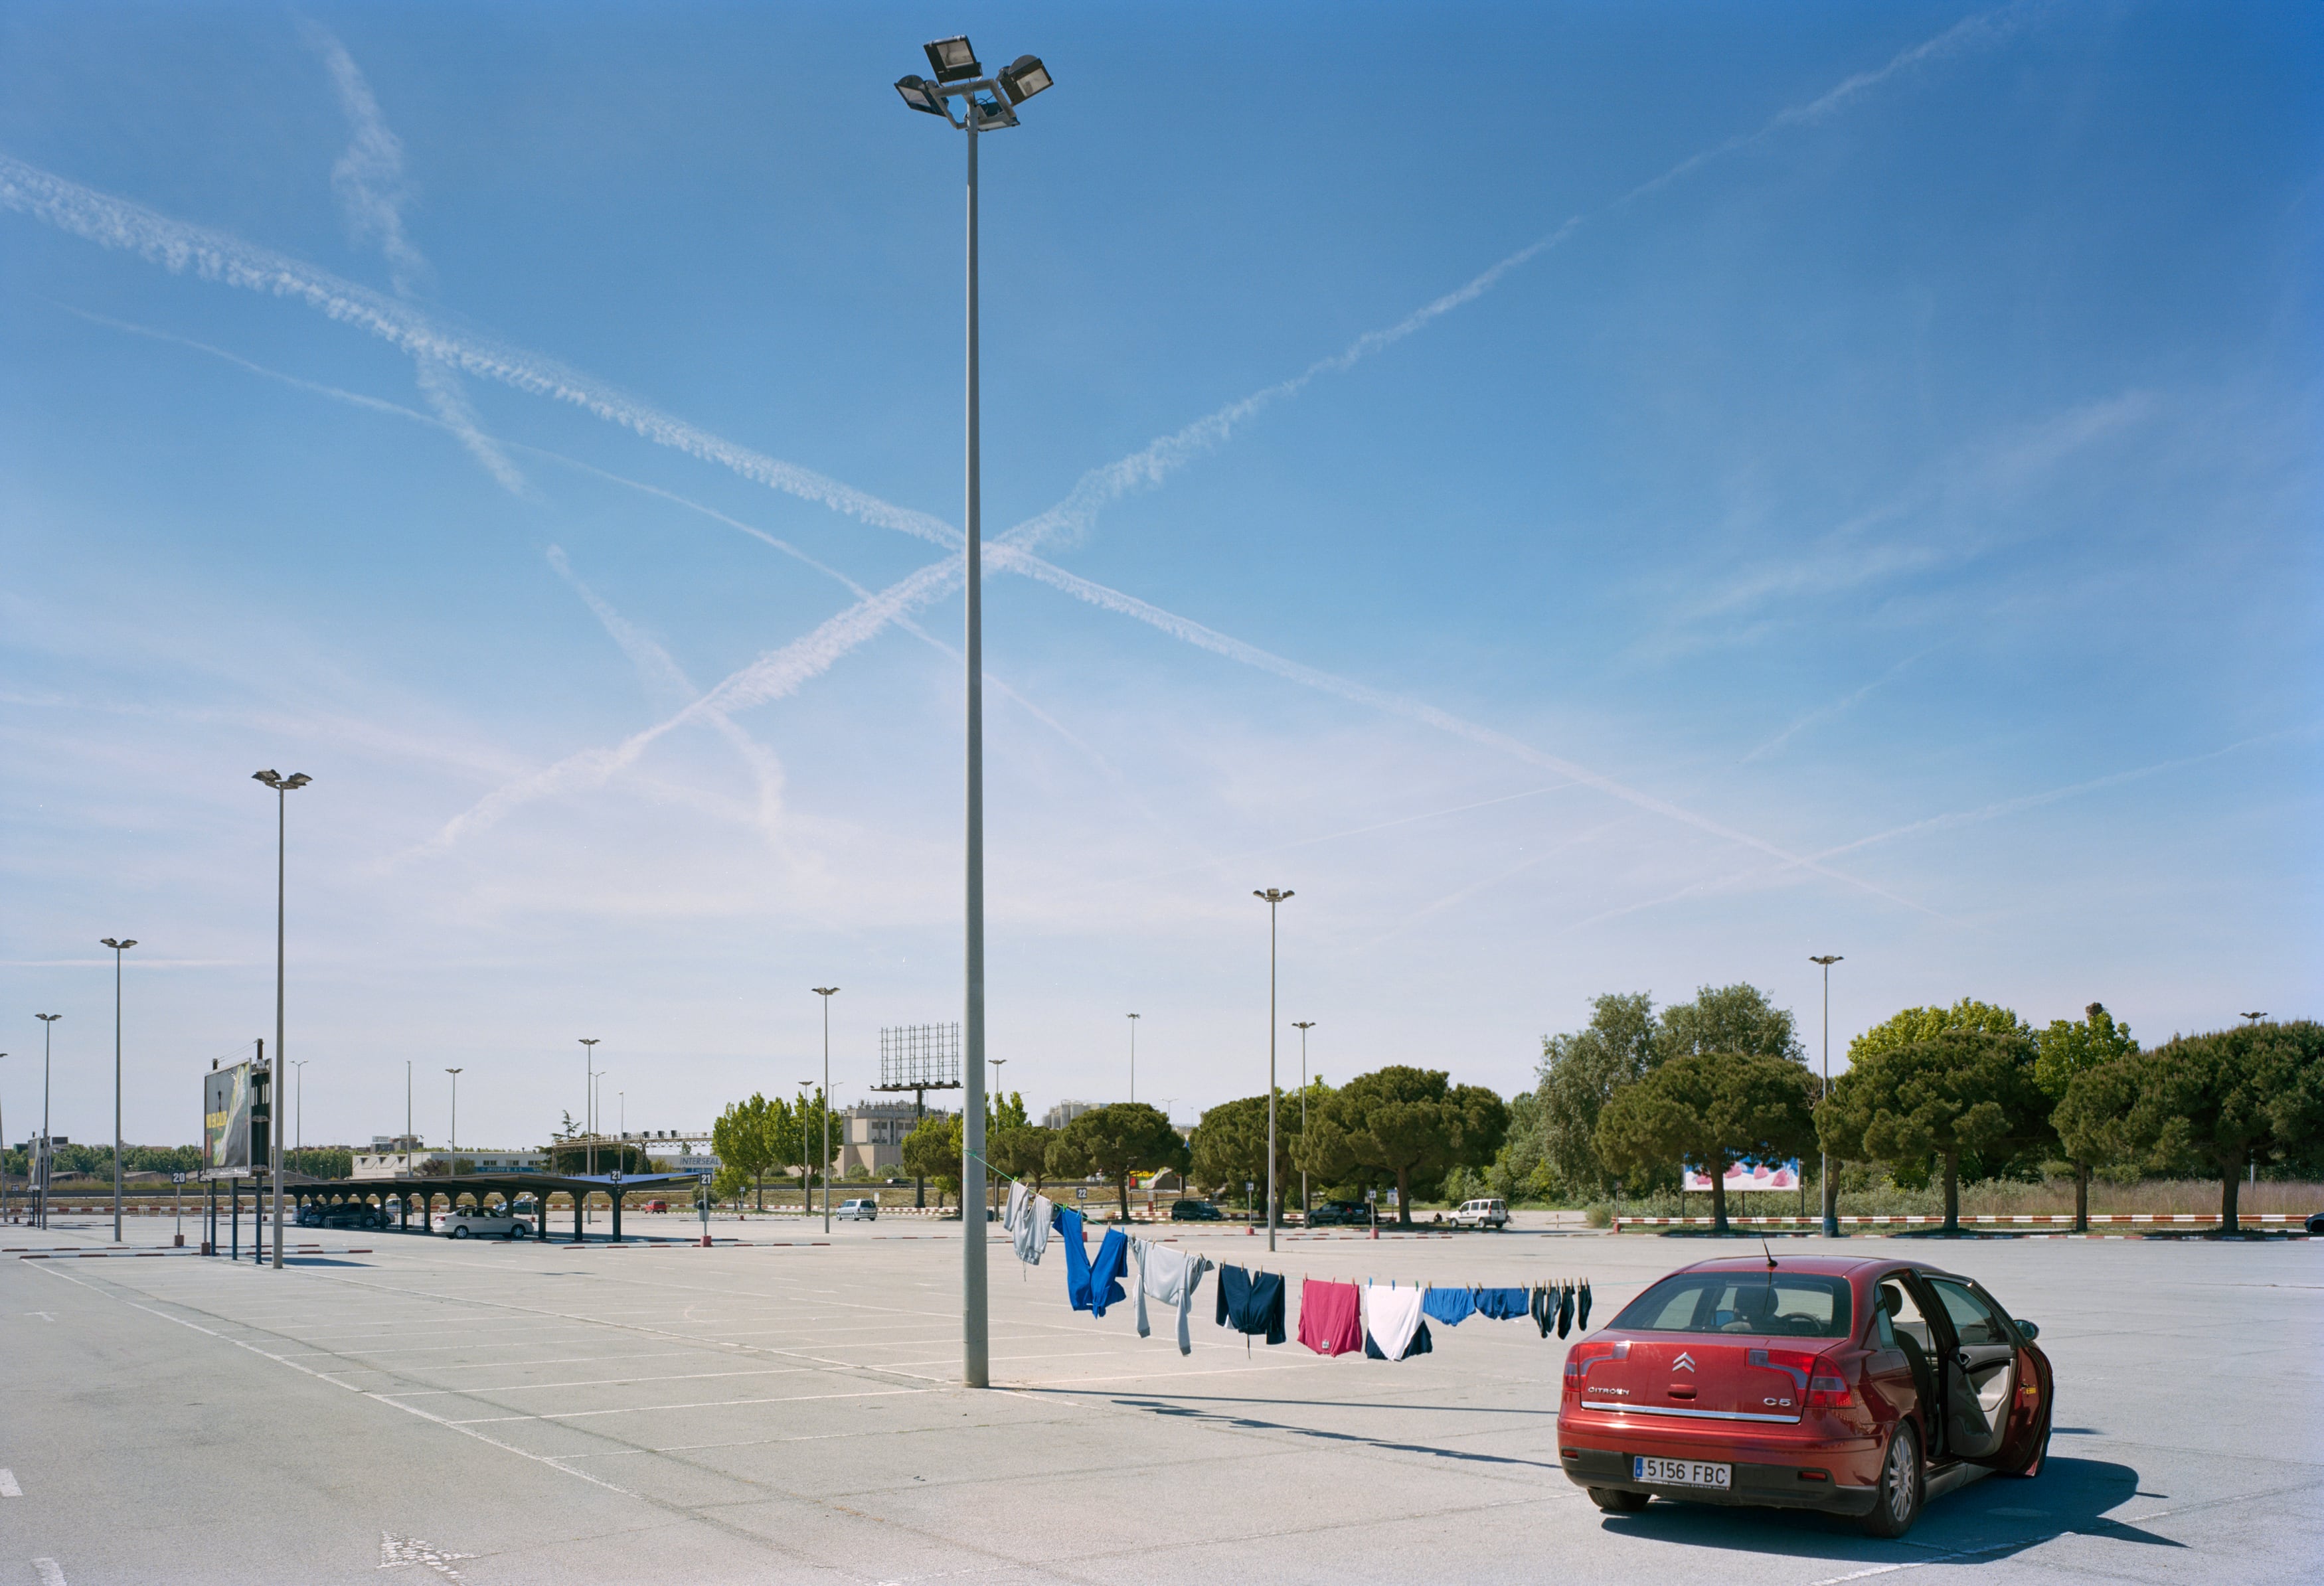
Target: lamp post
<point>826,993</point>
<point>1823,1158</point>
<point>283,787</point>
<point>588,1089</point>
<point>1302,1026</point>
<point>988,104</point>
<point>6,1202</point>
<point>1133,1056</point>
<point>1272,896</point>
<point>807,1168</point>
<point>456,1118</point>
<point>48,1028</point>
<point>407,1121</point>
<point>299,1108</point>
<point>119,947</point>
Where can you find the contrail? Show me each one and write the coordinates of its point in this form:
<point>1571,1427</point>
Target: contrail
<point>182,248</point>
<point>370,182</point>
<point>1825,713</point>
<point>664,674</point>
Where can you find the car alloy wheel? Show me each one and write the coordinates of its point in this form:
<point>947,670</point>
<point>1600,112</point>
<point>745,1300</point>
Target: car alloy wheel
<point>461,1231</point>
<point>1897,1503</point>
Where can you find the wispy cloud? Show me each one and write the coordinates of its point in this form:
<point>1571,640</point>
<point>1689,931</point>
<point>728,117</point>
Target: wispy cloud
<point>1845,703</point>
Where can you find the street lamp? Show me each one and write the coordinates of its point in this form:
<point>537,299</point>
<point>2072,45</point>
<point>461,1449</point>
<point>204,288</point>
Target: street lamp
<point>5,1202</point>
<point>1823,1159</point>
<point>1302,1026</point>
<point>456,1118</point>
<point>1272,896</point>
<point>1133,1056</point>
<point>2255,1018</point>
<point>826,993</point>
<point>987,105</point>
<point>588,1090</point>
<point>299,1110</point>
<point>48,1028</point>
<point>284,787</point>
<point>807,1168</point>
<point>119,947</point>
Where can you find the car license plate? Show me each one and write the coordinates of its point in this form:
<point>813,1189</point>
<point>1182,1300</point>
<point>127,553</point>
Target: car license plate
<point>1680,1472</point>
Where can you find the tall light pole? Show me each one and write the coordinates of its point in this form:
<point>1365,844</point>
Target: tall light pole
<point>119,947</point>
<point>407,1120</point>
<point>826,993</point>
<point>284,787</point>
<point>1823,1159</point>
<point>1272,896</point>
<point>48,1028</point>
<point>588,1090</point>
<point>1133,1056</point>
<point>4,1169</point>
<point>807,1168</point>
<point>1302,1026</point>
<point>456,1118</point>
<point>299,1108</point>
<point>987,105</point>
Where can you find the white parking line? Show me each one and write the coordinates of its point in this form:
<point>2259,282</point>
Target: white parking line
<point>715,1404</point>
<point>590,1382</point>
<point>8,1488</point>
<point>49,1572</point>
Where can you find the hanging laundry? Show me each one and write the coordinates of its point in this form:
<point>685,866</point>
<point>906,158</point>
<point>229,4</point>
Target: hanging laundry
<point>1390,1317</point>
<point>1170,1275</point>
<point>1018,1198</point>
<point>1331,1317</point>
<point>1091,1287</point>
<point>1029,1230</point>
<point>1545,1309</point>
<point>1451,1306</point>
<point>1501,1305</point>
<point>1420,1345</point>
<point>1564,1309</point>
<point>1251,1303</point>
<point>1584,1322</point>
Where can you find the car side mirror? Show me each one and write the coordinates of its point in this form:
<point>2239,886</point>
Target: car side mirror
<point>2028,1329</point>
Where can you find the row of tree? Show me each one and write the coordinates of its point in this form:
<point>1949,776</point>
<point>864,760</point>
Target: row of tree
<point>87,1161</point>
<point>1933,1093</point>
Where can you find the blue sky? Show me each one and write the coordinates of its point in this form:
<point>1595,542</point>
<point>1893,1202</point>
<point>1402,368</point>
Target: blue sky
<point>1613,498</point>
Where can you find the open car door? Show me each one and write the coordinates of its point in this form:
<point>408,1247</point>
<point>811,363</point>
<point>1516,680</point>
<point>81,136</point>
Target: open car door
<point>1980,1373</point>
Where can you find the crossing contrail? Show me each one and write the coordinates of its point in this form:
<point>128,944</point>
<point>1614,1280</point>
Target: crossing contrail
<point>184,248</point>
<point>370,182</point>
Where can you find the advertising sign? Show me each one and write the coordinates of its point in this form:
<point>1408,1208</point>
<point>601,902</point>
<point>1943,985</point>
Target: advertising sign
<point>225,1118</point>
<point>1750,1176</point>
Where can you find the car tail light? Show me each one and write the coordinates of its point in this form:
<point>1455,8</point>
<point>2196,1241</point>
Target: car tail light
<point>1819,1381</point>
<point>1578,1360</point>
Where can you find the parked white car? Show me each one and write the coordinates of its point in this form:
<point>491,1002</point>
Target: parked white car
<point>860,1211</point>
<point>1486,1213</point>
<point>477,1224</point>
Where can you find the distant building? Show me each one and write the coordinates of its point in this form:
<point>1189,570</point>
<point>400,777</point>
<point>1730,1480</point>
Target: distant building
<point>871,1135</point>
<point>394,1159</point>
<point>1065,1112</point>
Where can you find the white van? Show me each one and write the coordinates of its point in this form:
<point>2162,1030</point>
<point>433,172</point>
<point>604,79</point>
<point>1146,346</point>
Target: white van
<point>1487,1213</point>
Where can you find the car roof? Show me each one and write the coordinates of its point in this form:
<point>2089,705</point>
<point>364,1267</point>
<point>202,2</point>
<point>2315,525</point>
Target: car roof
<point>1820,1266</point>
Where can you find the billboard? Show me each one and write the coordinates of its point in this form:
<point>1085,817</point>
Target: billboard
<point>1750,1176</point>
<point>227,1099</point>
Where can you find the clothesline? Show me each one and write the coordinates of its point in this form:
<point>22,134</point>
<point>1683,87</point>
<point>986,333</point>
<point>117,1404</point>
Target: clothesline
<point>1336,1316</point>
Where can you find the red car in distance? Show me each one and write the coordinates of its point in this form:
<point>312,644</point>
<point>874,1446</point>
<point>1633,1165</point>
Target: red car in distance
<point>1856,1387</point>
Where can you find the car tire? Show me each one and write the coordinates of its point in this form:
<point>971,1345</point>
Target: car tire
<point>511,1233</point>
<point>1903,1485</point>
<point>1615,1500</point>
<point>459,1232</point>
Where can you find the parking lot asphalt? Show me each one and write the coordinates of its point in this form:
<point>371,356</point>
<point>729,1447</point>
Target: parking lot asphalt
<point>788,1410</point>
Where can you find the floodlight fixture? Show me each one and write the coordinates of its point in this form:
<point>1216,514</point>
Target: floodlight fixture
<point>921,95</point>
<point>991,114</point>
<point>1024,77</point>
<point>953,59</point>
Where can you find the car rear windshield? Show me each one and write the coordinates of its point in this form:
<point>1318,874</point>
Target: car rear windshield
<point>1764,1305</point>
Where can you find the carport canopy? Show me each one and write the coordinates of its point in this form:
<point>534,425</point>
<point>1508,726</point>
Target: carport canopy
<point>426,1187</point>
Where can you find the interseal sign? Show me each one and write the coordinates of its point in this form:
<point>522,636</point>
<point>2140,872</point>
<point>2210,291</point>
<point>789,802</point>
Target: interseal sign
<point>225,1118</point>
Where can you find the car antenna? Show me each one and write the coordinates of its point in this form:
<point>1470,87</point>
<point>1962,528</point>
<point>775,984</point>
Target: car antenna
<point>1766,1252</point>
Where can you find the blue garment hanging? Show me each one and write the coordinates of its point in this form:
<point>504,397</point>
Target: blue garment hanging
<point>1251,1303</point>
<point>1501,1305</point>
<point>1451,1306</point>
<point>1089,1286</point>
